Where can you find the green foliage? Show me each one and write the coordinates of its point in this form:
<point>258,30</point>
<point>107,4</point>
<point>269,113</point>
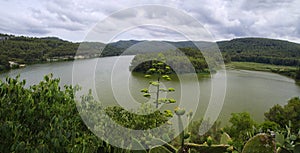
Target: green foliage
<point>42,118</point>
<point>209,141</point>
<point>33,50</point>
<point>168,113</point>
<point>289,71</point>
<point>286,140</point>
<point>30,50</point>
<point>183,60</point>
<point>242,128</point>
<point>214,131</point>
<point>241,124</point>
<point>268,126</point>
<point>288,113</point>
<point>159,71</point>
<point>135,121</point>
<point>4,65</point>
<point>260,143</point>
<point>261,50</point>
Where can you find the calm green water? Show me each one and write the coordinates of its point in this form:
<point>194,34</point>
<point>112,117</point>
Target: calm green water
<point>250,91</point>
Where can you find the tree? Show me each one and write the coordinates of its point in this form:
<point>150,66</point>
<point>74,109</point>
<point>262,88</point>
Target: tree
<point>4,65</point>
<point>240,124</point>
<point>288,113</point>
<point>42,118</point>
<point>241,129</point>
<point>276,114</point>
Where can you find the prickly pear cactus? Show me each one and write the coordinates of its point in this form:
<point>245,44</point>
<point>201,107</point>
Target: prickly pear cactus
<point>159,149</point>
<point>137,144</point>
<point>261,143</point>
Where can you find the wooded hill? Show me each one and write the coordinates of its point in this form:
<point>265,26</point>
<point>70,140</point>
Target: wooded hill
<point>262,50</point>
<point>29,50</point>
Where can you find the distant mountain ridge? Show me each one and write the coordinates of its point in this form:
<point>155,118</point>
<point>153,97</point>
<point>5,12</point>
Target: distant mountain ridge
<point>29,50</point>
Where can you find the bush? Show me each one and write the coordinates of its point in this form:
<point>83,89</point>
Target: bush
<point>42,118</point>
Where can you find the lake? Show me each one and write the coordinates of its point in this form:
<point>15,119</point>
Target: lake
<point>251,91</point>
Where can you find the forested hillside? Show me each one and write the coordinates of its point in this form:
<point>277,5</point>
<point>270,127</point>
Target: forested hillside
<point>29,50</point>
<point>262,50</point>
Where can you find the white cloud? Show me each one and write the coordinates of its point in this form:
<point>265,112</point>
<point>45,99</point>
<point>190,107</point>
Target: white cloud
<point>225,19</point>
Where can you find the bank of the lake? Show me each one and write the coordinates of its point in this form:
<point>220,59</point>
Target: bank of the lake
<point>289,71</point>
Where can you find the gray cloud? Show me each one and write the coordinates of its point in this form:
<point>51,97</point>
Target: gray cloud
<point>225,19</point>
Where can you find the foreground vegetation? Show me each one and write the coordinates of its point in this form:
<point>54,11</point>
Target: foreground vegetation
<point>44,118</point>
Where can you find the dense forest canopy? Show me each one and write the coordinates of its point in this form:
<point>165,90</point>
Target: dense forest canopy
<point>262,50</point>
<point>183,60</point>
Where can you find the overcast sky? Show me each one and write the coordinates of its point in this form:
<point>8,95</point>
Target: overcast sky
<point>224,19</point>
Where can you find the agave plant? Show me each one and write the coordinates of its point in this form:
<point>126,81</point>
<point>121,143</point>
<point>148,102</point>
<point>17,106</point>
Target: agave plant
<point>159,72</point>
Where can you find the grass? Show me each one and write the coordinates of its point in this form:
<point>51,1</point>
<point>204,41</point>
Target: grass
<point>289,71</point>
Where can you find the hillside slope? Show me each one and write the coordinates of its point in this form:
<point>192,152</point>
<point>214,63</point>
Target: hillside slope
<point>29,50</point>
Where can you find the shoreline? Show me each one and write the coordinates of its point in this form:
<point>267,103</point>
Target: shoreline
<point>287,71</point>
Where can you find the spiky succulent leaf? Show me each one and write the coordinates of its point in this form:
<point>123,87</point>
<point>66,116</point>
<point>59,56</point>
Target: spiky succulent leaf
<point>168,113</point>
<point>154,83</point>
<point>146,95</point>
<point>168,79</point>
<point>147,76</point>
<point>163,100</point>
<point>171,100</point>
<point>145,90</point>
<point>171,89</point>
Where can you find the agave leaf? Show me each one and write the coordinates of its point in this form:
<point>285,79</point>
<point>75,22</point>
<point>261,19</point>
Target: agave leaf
<point>171,89</point>
<point>145,90</point>
<point>162,100</point>
<point>171,100</point>
<point>154,83</point>
<point>168,113</point>
<point>146,95</point>
<point>168,79</point>
<point>147,76</point>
